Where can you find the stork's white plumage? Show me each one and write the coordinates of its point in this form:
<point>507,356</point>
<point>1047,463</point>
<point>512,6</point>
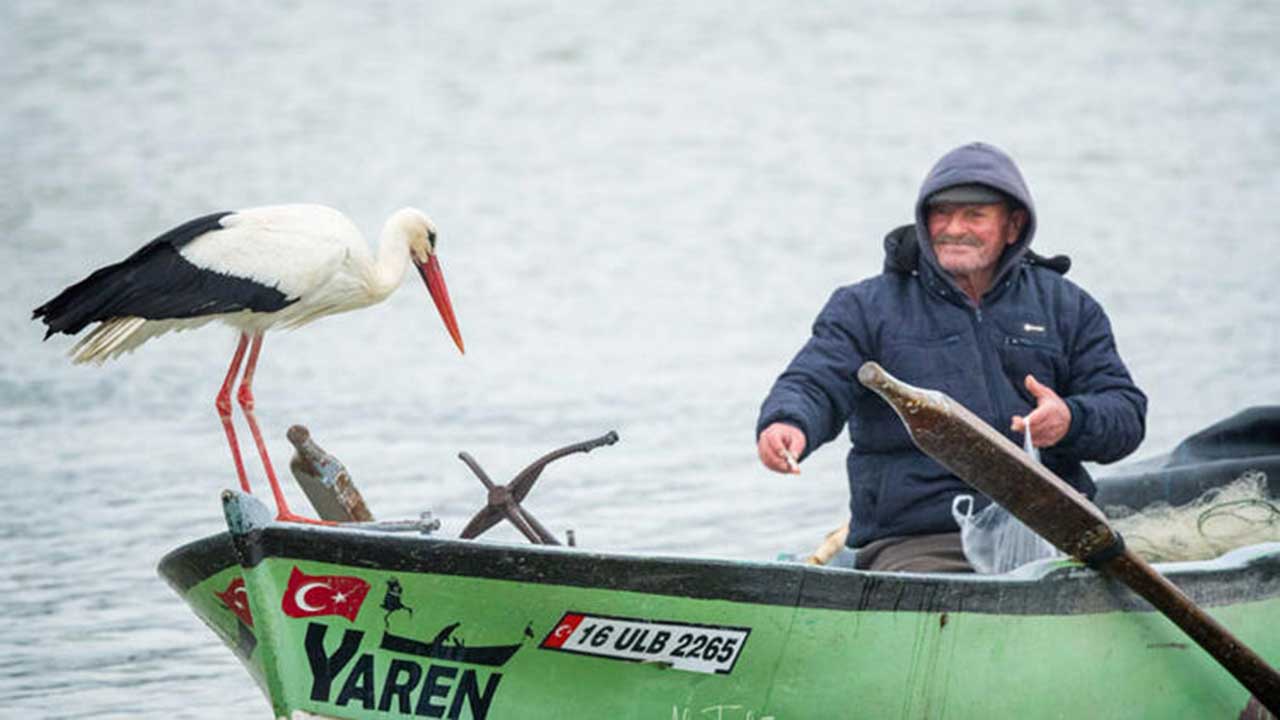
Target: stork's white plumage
<point>255,269</point>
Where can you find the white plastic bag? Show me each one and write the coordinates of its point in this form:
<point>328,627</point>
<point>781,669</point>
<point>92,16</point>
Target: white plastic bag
<point>995,541</point>
<point>1027,447</point>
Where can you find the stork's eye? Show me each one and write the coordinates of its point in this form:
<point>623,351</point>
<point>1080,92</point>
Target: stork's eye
<point>431,239</point>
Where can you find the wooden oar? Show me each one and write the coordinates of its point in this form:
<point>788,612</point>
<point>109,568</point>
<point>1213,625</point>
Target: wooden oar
<point>987,460</point>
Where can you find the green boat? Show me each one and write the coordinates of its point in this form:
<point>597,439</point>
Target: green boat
<point>370,621</point>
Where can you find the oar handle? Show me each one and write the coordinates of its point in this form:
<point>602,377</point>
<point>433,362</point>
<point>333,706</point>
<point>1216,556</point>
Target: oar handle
<point>1242,662</point>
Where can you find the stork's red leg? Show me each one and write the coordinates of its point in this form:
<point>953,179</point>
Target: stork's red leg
<point>223,403</point>
<point>245,396</point>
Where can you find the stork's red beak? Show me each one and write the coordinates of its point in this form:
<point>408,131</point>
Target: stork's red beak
<point>430,272</point>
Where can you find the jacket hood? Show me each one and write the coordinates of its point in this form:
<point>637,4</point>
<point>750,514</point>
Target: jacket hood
<point>976,162</point>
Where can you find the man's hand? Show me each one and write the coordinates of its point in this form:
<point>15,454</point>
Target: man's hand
<point>1051,419</point>
<point>779,446</point>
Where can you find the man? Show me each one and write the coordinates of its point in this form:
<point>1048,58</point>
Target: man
<point>963,306</point>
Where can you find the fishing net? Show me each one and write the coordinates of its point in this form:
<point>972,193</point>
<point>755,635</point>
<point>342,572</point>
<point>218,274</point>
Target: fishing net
<point>1224,518</point>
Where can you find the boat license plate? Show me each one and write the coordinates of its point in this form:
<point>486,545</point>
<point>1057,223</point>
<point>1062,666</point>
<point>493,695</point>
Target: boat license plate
<point>683,646</point>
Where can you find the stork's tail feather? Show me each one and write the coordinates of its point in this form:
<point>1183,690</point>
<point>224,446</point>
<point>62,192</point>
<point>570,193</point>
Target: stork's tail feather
<point>118,336</point>
<point>154,282</point>
<point>85,302</point>
<point>107,340</point>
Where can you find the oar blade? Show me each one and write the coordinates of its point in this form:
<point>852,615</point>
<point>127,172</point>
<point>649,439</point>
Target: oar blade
<point>961,442</point>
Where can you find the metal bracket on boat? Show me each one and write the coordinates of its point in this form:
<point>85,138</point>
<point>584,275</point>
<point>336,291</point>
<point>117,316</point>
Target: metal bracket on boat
<point>325,480</point>
<point>333,493</point>
<point>504,500</point>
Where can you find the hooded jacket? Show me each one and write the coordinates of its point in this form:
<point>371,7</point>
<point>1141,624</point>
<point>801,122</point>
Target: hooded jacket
<point>916,322</point>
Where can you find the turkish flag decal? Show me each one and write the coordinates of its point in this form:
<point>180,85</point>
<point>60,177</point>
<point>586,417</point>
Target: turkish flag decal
<point>237,600</point>
<point>562,631</point>
<point>311,595</point>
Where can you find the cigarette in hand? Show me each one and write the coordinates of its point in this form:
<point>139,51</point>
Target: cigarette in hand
<point>791,460</point>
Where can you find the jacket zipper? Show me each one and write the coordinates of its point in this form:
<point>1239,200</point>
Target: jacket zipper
<point>981,343</point>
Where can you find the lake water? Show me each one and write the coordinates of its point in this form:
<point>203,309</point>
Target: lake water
<point>642,206</point>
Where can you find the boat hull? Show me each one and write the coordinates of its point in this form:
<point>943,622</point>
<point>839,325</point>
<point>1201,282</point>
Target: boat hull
<point>447,628</point>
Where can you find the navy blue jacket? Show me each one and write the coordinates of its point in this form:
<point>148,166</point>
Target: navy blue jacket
<point>915,321</point>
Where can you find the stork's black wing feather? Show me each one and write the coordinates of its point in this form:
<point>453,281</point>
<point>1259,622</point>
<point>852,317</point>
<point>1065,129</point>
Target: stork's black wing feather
<point>156,283</point>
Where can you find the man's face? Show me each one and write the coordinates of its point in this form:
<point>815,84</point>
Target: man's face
<point>968,238</point>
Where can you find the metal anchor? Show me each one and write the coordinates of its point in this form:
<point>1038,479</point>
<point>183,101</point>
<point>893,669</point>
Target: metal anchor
<point>504,500</point>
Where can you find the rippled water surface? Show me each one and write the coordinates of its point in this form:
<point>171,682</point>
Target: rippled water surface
<point>642,206</point>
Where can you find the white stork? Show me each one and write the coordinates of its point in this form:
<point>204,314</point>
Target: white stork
<point>254,270</point>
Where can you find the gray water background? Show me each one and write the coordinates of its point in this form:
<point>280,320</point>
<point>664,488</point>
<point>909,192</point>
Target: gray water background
<point>642,207</point>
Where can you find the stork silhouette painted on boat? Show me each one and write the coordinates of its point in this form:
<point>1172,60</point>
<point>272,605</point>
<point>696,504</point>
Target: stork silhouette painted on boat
<point>256,269</point>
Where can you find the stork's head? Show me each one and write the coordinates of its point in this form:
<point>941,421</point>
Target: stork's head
<point>422,250</point>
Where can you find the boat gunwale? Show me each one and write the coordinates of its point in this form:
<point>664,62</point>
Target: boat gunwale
<point>1048,587</point>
